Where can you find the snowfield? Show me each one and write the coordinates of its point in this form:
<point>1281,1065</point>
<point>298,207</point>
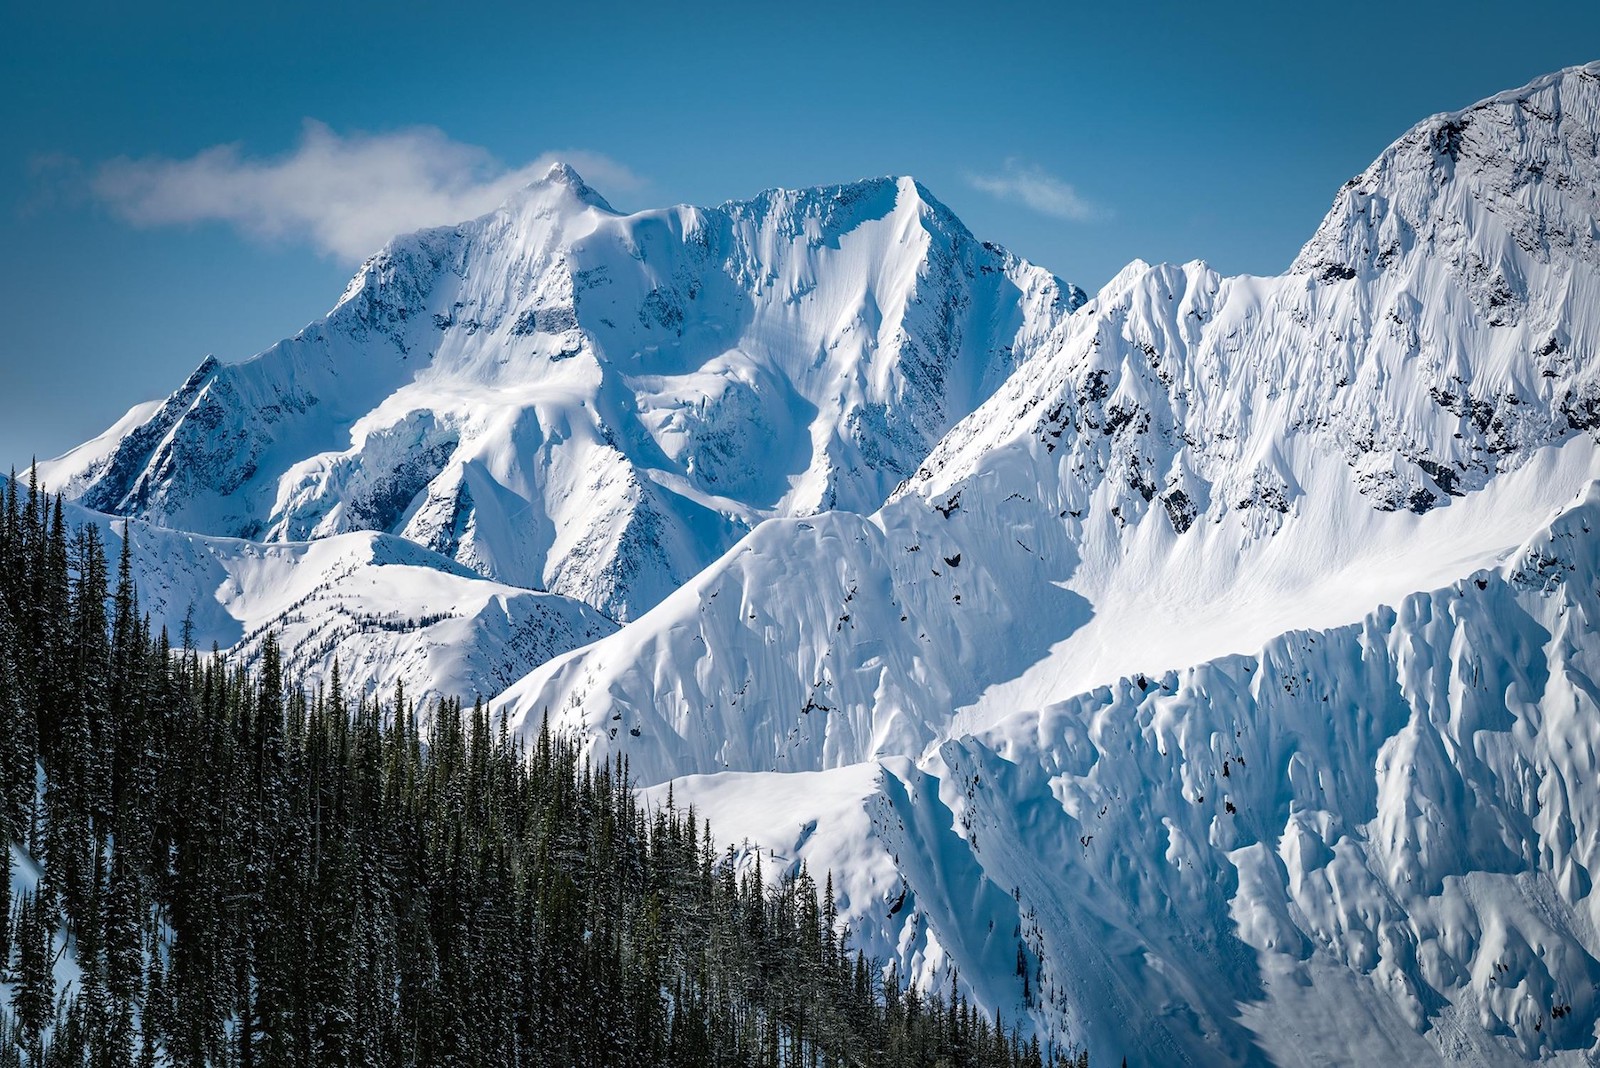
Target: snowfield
<point>1203,670</point>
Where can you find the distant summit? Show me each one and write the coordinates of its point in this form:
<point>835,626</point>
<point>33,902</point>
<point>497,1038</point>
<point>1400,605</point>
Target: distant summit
<point>591,403</point>
<point>563,177</point>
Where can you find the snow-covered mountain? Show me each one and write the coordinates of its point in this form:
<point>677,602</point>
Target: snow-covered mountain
<point>1356,845</point>
<point>388,610</point>
<point>1234,473</point>
<point>562,397</point>
<point>1057,632</point>
<point>1194,464</point>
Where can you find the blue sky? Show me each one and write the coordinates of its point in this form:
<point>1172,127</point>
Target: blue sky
<point>182,179</point>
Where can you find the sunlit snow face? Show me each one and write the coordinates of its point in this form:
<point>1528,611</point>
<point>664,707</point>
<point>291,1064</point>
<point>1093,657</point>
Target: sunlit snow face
<point>566,398</point>
<point>1222,641</point>
<point>1335,799</point>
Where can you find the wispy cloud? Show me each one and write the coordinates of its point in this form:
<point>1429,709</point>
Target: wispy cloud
<point>1034,187</point>
<point>344,194</point>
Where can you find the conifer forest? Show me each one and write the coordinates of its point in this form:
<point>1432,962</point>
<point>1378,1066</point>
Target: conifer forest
<point>216,867</point>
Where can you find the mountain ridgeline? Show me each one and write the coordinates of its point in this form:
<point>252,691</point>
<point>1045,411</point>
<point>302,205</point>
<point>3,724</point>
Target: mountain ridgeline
<point>1200,671</point>
<point>1025,679</point>
<point>212,867</point>
<point>563,397</point>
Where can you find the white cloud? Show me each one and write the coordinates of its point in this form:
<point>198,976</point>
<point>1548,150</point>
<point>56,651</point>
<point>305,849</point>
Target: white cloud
<point>1034,187</point>
<point>343,194</point>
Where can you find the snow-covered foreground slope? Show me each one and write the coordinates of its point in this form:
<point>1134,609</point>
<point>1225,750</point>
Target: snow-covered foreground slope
<point>563,397</point>
<point>388,610</point>
<point>1359,843</point>
<point>1191,466</point>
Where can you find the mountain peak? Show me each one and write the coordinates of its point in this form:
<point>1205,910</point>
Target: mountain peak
<point>1514,174</point>
<point>561,182</point>
<point>563,172</point>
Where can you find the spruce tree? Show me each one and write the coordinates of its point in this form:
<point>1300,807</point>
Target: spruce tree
<point>251,874</point>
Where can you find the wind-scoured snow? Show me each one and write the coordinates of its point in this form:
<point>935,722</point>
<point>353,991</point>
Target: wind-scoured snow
<point>1232,473</point>
<point>567,398</point>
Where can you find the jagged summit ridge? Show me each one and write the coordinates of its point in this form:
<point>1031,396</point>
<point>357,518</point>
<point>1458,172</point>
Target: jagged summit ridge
<point>1190,467</point>
<point>1434,331</point>
<point>1184,441</point>
<point>1521,167</point>
<point>561,397</point>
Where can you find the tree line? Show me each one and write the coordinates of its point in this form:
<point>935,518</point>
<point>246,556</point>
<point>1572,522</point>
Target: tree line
<point>211,866</point>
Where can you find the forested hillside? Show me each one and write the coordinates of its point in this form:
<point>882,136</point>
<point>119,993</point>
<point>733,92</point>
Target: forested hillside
<point>210,867</point>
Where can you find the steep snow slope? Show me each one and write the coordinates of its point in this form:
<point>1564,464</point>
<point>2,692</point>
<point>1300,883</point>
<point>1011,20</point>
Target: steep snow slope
<point>826,641</point>
<point>1358,844</point>
<point>563,397</point>
<point>388,610</point>
<point>1192,465</point>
